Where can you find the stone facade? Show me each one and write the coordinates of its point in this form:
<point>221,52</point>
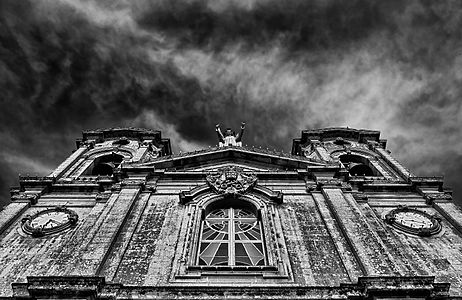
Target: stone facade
<point>337,218</point>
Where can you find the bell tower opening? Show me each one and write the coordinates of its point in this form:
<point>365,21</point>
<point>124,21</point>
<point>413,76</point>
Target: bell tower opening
<point>358,165</point>
<point>105,165</point>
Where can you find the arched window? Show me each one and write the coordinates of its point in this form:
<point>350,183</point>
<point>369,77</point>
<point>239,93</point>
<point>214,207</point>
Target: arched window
<point>231,236</point>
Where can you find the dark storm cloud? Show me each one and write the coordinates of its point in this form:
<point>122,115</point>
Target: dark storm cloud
<point>182,66</point>
<point>299,24</point>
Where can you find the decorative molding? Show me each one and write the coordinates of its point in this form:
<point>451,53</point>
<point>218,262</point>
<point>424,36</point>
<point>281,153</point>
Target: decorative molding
<point>151,186</point>
<point>36,181</point>
<point>94,287</point>
<point>131,133</point>
<point>102,197</point>
<point>42,231</point>
<point>360,197</point>
<point>231,181</point>
<point>332,183</point>
<point>434,228</point>
<point>25,197</point>
<point>432,197</point>
<point>152,153</point>
<point>276,196</point>
<point>133,183</point>
<point>187,196</point>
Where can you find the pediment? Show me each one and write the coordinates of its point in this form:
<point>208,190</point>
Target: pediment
<point>254,159</point>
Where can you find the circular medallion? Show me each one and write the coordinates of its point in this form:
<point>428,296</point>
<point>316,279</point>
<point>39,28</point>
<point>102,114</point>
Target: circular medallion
<point>413,221</point>
<point>49,221</point>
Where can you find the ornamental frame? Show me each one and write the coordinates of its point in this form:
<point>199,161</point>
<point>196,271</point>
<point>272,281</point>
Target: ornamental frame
<point>390,218</point>
<point>73,218</point>
<point>276,262</point>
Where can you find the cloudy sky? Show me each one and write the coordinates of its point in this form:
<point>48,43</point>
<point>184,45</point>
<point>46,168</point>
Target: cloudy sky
<point>181,66</point>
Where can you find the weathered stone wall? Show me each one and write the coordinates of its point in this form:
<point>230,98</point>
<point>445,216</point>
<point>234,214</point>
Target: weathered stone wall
<point>133,237</point>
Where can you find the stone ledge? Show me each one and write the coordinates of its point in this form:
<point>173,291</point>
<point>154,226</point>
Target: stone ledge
<point>93,287</point>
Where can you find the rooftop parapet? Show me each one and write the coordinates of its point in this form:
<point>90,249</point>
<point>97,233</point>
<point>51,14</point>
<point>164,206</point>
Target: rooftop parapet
<point>336,133</point>
<point>120,133</point>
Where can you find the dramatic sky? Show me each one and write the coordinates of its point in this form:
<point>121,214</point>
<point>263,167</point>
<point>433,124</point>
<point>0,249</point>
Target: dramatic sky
<point>181,66</point>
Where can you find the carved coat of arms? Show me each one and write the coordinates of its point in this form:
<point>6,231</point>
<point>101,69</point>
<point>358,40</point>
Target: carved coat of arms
<point>231,180</point>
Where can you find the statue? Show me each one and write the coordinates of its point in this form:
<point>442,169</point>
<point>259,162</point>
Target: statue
<point>230,138</point>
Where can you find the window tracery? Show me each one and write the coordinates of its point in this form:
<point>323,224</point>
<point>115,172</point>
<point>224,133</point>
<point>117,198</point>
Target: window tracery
<point>231,237</point>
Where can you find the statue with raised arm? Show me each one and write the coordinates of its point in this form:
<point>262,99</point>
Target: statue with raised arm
<point>230,138</point>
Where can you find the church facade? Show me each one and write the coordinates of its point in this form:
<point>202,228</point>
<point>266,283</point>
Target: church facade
<point>337,218</point>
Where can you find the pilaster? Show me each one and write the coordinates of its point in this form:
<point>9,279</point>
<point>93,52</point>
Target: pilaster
<point>367,247</point>
<point>70,161</point>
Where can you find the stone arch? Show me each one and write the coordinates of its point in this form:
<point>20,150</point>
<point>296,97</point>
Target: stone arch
<point>358,162</point>
<point>211,201</point>
<point>105,165</point>
<point>256,193</point>
<point>102,162</point>
<point>127,153</point>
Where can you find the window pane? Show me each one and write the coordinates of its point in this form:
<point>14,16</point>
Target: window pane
<point>221,257</point>
<point>241,213</point>
<point>219,213</point>
<point>247,230</point>
<point>208,252</point>
<point>215,230</point>
<point>249,254</point>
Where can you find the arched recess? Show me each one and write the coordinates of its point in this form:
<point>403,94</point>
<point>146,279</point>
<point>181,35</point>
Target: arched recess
<point>105,165</point>
<point>359,163</point>
<point>102,161</point>
<point>242,232</point>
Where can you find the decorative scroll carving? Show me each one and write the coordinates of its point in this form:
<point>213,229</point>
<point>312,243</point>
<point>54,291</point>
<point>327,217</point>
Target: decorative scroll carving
<point>231,180</point>
<point>152,152</point>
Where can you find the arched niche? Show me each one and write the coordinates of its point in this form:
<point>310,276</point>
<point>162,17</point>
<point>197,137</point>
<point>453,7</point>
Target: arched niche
<point>358,165</point>
<point>103,163</point>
